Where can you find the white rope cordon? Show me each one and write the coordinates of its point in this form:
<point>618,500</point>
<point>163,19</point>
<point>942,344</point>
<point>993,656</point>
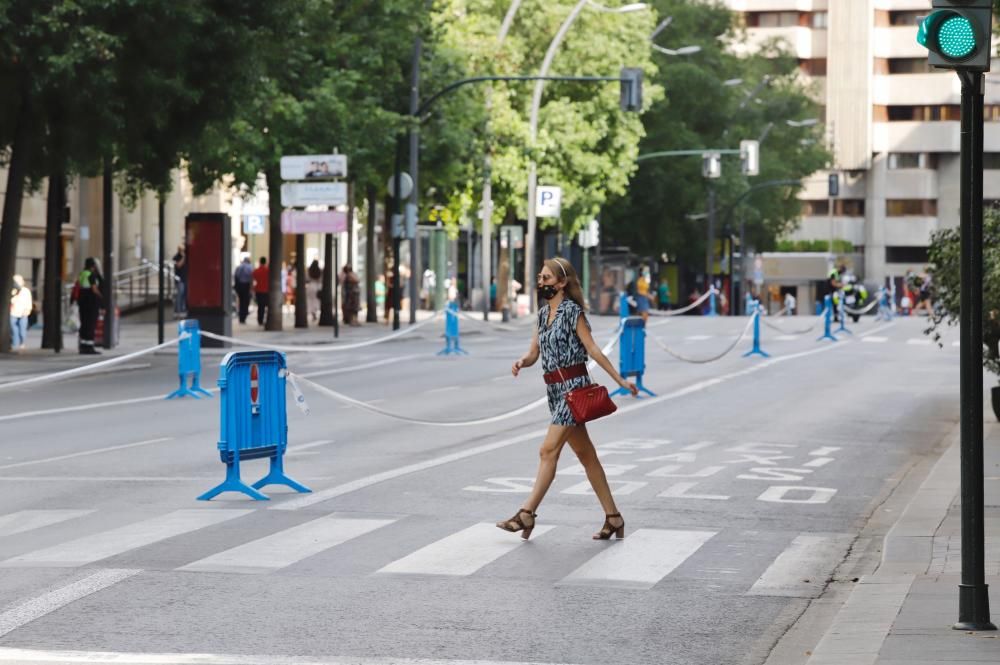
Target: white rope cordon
<point>438,423</point>
<point>774,326</point>
<point>320,347</point>
<point>90,368</point>
<point>858,312</point>
<point>675,312</point>
<point>699,361</point>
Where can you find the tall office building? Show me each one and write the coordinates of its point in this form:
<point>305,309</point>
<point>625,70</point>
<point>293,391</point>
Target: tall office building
<point>892,122</point>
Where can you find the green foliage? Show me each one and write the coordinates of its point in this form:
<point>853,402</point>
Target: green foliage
<point>840,246</point>
<point>585,144</point>
<point>699,112</point>
<point>945,255</point>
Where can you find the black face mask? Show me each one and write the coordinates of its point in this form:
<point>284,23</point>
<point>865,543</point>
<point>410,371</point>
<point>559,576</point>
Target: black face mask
<point>547,291</point>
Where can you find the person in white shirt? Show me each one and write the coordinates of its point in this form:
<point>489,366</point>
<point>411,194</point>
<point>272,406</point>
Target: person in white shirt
<point>20,310</point>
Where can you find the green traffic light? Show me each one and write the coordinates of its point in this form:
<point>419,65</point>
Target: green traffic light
<point>956,37</point>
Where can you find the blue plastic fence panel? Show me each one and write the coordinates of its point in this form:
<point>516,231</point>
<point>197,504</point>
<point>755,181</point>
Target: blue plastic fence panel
<point>632,349</point>
<point>189,349</point>
<point>254,420</point>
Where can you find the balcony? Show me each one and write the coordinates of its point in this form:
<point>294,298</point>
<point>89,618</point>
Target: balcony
<point>900,4</point>
<point>897,42</point>
<point>806,43</point>
<point>916,89</point>
<point>819,228</point>
<point>911,184</point>
<point>908,231</point>
<point>926,136</point>
<point>777,5</point>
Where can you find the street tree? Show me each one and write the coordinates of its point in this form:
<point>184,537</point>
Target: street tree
<point>716,97</point>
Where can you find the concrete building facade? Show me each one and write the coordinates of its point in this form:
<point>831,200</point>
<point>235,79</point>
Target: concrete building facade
<point>892,123</point>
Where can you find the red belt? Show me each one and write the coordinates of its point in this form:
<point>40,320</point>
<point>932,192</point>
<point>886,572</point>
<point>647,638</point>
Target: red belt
<point>566,373</point>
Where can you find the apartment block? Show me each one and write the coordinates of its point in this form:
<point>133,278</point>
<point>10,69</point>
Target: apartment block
<point>892,122</point>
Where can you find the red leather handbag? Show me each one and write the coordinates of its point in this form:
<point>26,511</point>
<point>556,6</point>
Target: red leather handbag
<point>588,403</point>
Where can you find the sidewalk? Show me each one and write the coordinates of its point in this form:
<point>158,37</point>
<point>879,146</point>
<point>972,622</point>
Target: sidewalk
<point>903,613</point>
<point>138,335</point>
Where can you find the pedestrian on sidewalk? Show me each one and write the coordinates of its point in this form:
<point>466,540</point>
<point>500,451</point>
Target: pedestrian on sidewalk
<point>563,340</point>
<point>89,301</point>
<point>260,288</point>
<point>180,281</point>
<point>20,310</point>
<point>242,283</point>
<point>352,295</point>
<point>314,289</point>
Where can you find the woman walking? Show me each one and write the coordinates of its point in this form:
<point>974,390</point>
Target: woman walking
<point>563,341</point>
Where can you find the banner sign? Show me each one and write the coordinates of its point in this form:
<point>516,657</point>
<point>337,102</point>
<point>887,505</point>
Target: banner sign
<point>308,221</point>
<point>313,167</point>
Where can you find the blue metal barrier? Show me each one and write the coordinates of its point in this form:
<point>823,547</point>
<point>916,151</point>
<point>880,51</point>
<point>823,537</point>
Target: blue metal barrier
<point>711,302</point>
<point>842,315</point>
<point>189,360</point>
<point>632,353</point>
<point>884,306</point>
<point>827,317</point>
<point>253,420</point>
<point>451,331</point>
<point>756,350</point>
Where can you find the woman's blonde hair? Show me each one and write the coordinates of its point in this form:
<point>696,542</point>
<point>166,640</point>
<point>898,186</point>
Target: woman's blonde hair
<point>563,269</point>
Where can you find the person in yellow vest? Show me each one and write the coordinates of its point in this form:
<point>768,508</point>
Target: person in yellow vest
<point>642,294</point>
<point>90,299</point>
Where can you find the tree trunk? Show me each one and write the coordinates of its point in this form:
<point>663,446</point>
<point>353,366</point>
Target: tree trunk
<point>301,303</point>
<point>52,300</point>
<point>275,250</point>
<point>370,272</point>
<point>11,227</point>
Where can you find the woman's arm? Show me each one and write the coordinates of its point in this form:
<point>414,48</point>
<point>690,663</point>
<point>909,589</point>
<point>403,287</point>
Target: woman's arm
<point>594,351</point>
<point>528,359</point>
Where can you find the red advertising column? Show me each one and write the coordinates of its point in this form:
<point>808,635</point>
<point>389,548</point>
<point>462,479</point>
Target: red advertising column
<point>208,285</point>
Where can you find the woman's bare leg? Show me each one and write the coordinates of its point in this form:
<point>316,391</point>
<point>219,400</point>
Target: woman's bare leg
<point>548,454</point>
<point>579,441</point>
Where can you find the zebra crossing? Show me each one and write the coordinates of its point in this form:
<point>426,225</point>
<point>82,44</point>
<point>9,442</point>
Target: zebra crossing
<point>645,558</point>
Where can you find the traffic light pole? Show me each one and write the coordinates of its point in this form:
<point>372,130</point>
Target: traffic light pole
<point>973,599</point>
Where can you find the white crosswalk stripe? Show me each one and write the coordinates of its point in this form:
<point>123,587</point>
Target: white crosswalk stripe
<point>875,339</point>
<point>286,547</point>
<point>29,520</point>
<point>641,560</point>
<point>462,553</point>
<point>802,569</point>
<point>918,341</point>
<point>99,546</point>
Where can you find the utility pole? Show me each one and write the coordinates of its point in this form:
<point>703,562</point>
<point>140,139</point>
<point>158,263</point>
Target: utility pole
<point>412,212</point>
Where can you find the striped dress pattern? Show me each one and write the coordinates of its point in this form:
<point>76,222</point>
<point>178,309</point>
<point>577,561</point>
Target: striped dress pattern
<point>560,348</point>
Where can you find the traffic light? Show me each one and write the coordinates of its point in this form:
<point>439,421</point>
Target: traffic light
<point>711,165</point>
<point>631,89</point>
<point>750,157</point>
<point>957,34</point>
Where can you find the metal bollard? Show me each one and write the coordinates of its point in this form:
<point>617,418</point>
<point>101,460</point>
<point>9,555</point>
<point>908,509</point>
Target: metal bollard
<point>632,353</point>
<point>189,360</point>
<point>756,350</point>
<point>253,423</point>
<point>827,317</point>
<point>451,335</point>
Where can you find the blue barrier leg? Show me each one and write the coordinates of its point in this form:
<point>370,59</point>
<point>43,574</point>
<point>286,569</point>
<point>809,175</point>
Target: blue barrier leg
<point>756,350</point>
<point>276,476</point>
<point>233,483</point>
<point>827,315</point>
<point>196,386</point>
<point>843,319</point>
<point>183,390</point>
<point>642,388</point>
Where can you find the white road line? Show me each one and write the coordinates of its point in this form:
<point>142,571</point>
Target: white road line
<point>284,548</point>
<point>99,546</point>
<point>787,338</point>
<point>697,338</point>
<point>802,569</point>
<point>28,611</point>
<point>880,328</point>
<point>24,656</point>
<point>29,520</point>
<point>445,389</point>
<point>641,560</point>
<point>917,341</point>
<point>875,339</point>
<point>160,398</point>
<point>361,483</point>
<point>297,449</point>
<point>461,553</point>
<point>84,453</point>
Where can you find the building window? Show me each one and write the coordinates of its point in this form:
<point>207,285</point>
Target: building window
<point>772,19</point>
<point>950,112</point>
<point>904,160</point>
<point>849,207</point>
<point>906,18</point>
<point>911,207</point>
<point>818,20</point>
<point>815,208</point>
<point>906,255</point>
<point>910,66</point>
<point>813,67</point>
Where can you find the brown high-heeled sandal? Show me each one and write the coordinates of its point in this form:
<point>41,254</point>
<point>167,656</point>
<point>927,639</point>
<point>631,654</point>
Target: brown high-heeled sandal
<point>523,521</point>
<point>608,529</point>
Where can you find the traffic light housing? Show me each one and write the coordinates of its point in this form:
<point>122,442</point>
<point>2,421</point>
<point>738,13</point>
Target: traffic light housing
<point>750,157</point>
<point>631,89</point>
<point>957,34</point>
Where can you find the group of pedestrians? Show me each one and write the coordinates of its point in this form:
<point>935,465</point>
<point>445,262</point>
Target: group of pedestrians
<point>254,283</point>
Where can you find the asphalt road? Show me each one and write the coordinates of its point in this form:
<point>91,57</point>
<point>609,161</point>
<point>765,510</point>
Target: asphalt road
<point>744,483</point>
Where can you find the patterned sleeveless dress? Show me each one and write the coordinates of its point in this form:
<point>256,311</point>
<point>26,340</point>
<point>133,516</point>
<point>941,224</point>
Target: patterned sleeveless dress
<point>560,348</point>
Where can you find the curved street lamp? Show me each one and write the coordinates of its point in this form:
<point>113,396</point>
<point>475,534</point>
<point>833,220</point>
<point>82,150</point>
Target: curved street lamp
<point>536,101</point>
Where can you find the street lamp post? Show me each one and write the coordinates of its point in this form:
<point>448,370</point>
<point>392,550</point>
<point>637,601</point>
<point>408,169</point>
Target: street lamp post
<point>536,100</point>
